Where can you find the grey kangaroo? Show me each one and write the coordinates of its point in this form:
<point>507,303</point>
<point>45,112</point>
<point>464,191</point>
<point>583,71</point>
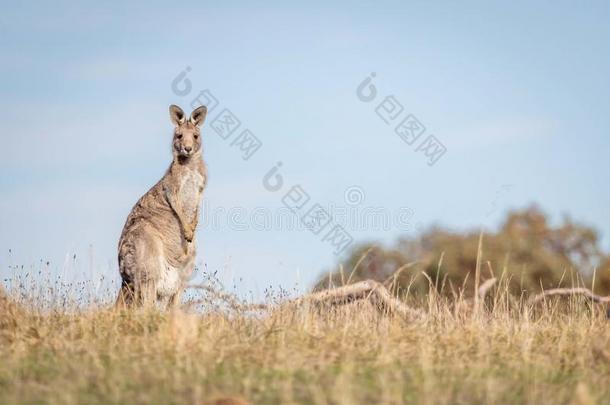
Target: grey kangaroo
<point>157,245</point>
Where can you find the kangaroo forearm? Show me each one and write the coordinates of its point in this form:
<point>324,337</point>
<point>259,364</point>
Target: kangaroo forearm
<point>177,208</point>
<point>195,220</point>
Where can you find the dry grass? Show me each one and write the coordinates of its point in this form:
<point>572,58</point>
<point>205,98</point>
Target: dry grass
<point>506,351</point>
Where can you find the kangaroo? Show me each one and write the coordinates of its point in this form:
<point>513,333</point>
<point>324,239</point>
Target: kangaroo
<point>157,246</point>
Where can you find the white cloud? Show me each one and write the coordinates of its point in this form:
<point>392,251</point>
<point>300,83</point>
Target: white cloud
<point>509,130</point>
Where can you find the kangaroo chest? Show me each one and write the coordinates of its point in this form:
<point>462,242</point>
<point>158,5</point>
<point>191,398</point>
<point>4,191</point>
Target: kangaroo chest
<point>191,188</point>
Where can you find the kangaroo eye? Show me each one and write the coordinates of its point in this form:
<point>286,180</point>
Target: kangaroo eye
<point>179,136</point>
<point>196,136</point>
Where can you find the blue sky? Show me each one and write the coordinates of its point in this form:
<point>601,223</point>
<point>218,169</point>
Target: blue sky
<point>517,93</point>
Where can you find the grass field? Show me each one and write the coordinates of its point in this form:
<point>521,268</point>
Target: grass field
<point>505,352</point>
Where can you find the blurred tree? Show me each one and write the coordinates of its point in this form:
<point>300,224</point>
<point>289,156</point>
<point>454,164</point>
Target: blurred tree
<point>526,249</point>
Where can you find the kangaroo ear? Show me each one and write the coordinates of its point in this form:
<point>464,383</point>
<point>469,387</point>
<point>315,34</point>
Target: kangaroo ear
<point>176,114</point>
<point>198,115</point>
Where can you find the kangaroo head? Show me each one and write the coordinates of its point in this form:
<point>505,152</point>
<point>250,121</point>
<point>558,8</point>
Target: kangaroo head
<point>187,139</point>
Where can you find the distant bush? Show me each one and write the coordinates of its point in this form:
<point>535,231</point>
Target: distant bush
<point>526,248</point>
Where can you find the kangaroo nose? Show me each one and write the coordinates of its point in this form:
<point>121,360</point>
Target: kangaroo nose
<point>188,148</point>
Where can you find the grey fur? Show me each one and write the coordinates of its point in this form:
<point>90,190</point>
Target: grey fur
<point>157,246</point>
